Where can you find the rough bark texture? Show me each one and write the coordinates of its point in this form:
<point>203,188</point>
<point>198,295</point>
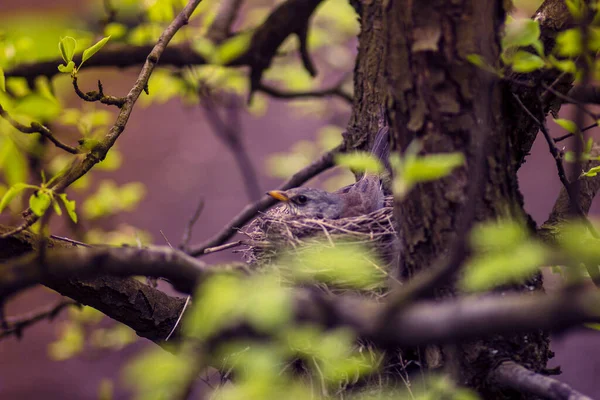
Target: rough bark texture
<point>148,311</point>
<point>412,60</point>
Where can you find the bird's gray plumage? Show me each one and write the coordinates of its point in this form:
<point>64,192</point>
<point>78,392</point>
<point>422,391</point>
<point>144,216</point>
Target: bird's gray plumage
<point>362,197</point>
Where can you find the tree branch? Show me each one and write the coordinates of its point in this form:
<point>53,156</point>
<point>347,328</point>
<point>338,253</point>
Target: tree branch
<point>98,153</point>
<point>16,325</point>
<point>550,230</point>
<point>230,135</point>
<point>570,187</point>
<point>94,96</point>
<point>280,94</point>
<point>421,323</point>
<point>94,261</point>
<point>220,29</point>
<point>35,127</point>
<point>250,211</point>
<point>514,376</point>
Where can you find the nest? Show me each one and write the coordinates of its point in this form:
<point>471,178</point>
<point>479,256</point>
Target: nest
<point>277,231</point>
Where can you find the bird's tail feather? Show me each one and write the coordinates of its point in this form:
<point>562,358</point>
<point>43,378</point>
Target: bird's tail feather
<point>381,144</point>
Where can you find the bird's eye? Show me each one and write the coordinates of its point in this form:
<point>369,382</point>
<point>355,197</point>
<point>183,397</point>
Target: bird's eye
<point>302,199</point>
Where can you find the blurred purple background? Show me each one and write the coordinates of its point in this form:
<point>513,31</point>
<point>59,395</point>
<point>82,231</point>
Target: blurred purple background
<point>172,150</point>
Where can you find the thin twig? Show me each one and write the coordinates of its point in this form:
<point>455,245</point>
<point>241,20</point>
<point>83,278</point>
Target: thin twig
<point>514,376</point>
<point>98,153</point>
<point>187,234</point>
<point>220,29</point>
<point>281,94</point>
<point>250,211</point>
<point>99,95</point>
<point>16,325</point>
<point>568,135</point>
<point>573,195</point>
<point>35,127</point>
<point>223,247</point>
<point>69,240</point>
<point>230,135</point>
<point>571,100</point>
<point>187,299</point>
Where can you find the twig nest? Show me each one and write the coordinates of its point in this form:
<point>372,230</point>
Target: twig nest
<point>277,231</point>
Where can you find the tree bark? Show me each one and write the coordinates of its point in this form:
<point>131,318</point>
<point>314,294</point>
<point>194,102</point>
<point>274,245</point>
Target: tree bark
<point>413,60</point>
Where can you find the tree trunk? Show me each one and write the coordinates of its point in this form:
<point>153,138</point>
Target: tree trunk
<point>412,59</point>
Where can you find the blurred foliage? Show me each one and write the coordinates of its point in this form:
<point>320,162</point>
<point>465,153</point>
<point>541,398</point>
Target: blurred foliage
<point>81,330</point>
<point>304,152</point>
<point>343,265</point>
<point>413,168</point>
<point>504,252</point>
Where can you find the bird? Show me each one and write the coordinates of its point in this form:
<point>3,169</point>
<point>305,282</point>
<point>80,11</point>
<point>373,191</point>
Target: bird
<point>362,197</point>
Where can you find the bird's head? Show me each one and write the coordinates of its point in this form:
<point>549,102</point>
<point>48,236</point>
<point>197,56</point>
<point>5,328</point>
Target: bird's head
<point>310,202</point>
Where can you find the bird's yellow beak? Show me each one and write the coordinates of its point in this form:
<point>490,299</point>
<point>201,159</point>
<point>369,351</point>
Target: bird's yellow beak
<point>278,195</point>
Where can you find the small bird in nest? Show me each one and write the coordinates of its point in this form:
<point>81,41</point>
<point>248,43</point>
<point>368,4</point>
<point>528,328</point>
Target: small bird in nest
<point>362,197</point>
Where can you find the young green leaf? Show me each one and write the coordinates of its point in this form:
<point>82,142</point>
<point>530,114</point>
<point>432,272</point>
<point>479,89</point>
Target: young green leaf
<point>69,206</point>
<point>525,62</point>
<point>592,172</point>
<point>431,167</point>
<point>39,202</point>
<point>2,80</point>
<point>568,43</point>
<point>566,124</point>
<point>492,269</point>
<point>359,161</point>
<point>232,48</point>
<point>12,193</point>
<point>574,7</point>
<point>66,46</point>
<point>567,66</point>
<point>90,51</point>
<point>521,32</point>
<point>56,207</point>
<point>67,69</point>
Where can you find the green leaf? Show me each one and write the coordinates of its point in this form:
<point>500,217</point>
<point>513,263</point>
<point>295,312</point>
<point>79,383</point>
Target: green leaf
<point>345,265</point>
<point>575,8</point>
<point>233,48</point>
<point>524,62</point>
<point>521,32</point>
<point>69,206</point>
<point>567,66</point>
<point>56,207</point>
<point>66,46</point>
<point>69,344</point>
<point>568,43</point>
<point>592,172</point>
<point>205,47</point>
<point>90,51</point>
<point>39,202</point>
<point>497,268</point>
<point>115,30</point>
<point>431,167</point>
<point>11,193</point>
<point>359,161</point>
<point>217,304</point>
<point>566,124</point>
<point>67,69</point>
<point>2,80</point>
<point>13,162</point>
<point>476,60</point>
<point>497,236</point>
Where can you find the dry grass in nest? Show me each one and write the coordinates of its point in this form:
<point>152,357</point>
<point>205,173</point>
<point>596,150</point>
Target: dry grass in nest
<point>277,231</point>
